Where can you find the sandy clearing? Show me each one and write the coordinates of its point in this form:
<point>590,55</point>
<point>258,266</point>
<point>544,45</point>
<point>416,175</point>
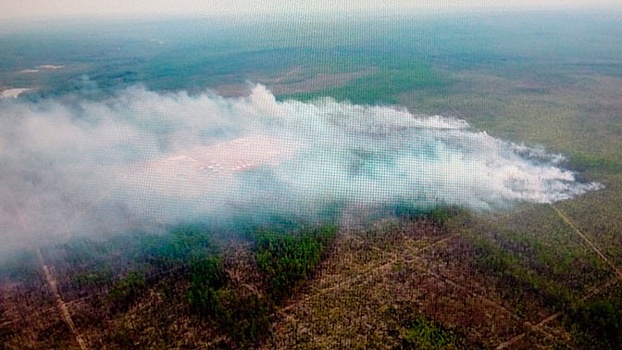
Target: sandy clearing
<point>13,92</point>
<point>200,169</point>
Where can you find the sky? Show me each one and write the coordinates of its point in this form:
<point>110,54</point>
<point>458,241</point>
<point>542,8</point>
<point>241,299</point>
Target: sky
<point>20,9</point>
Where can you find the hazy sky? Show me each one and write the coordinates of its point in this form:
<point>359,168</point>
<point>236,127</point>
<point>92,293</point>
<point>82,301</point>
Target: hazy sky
<point>53,8</point>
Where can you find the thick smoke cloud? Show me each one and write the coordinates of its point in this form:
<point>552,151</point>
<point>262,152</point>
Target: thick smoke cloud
<point>143,160</point>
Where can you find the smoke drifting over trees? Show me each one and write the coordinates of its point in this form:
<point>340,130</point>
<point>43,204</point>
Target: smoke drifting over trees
<point>141,159</point>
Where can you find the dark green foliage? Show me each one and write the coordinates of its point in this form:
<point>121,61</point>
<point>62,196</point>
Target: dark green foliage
<point>122,336</point>
<point>406,211</point>
<point>583,162</point>
<point>91,262</point>
<point>511,271</point>
<point>125,291</point>
<point>422,333</point>
<point>441,214</point>
<point>248,318</point>
<point>181,244</point>
<point>207,278</point>
<point>287,259</point>
<point>244,319</point>
<point>98,277</point>
<point>597,324</point>
<point>208,271</point>
<point>20,266</point>
<point>393,77</point>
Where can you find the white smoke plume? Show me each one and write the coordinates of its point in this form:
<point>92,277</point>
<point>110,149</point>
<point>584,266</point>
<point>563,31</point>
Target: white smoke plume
<point>141,158</point>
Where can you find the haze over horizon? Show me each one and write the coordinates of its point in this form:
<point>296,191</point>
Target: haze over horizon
<point>13,9</point>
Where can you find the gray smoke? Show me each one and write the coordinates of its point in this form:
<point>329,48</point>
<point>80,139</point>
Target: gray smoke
<point>142,159</point>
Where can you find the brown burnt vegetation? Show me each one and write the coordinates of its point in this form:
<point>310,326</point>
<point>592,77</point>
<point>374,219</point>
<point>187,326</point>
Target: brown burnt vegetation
<point>444,280</point>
